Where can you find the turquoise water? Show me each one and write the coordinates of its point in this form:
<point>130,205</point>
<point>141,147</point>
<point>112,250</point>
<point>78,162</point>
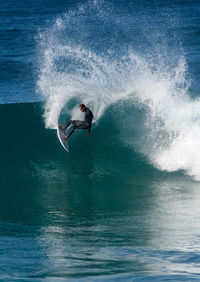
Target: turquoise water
<point>101,212</point>
<point>123,205</point>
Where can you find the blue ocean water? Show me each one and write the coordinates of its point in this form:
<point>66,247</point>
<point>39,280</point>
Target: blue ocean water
<point>123,205</point>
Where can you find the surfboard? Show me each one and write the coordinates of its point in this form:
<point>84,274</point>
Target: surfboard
<point>61,135</point>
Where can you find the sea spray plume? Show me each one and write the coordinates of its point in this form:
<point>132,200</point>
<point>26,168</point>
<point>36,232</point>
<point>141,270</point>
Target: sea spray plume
<point>92,79</point>
<point>100,82</point>
<point>71,68</point>
<point>73,71</point>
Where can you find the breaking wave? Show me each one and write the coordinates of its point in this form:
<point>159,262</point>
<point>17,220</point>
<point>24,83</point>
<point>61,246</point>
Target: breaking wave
<point>100,70</point>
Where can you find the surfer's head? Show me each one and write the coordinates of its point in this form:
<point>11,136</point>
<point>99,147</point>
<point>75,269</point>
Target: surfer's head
<point>82,107</point>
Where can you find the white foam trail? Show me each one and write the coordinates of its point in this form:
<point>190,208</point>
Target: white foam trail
<point>173,120</point>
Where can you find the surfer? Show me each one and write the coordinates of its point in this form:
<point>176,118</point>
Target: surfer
<point>80,124</point>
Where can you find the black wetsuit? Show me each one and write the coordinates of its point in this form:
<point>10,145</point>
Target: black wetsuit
<point>81,124</point>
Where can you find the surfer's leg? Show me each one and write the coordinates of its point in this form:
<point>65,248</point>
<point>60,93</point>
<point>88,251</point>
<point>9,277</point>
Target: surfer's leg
<point>77,124</point>
<point>68,124</point>
<point>73,122</point>
<point>72,131</point>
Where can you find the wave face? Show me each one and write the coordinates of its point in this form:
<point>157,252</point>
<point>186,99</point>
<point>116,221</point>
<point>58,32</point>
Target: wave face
<point>133,67</point>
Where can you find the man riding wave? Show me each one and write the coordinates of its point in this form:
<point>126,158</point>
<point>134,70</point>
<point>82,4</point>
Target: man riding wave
<point>80,124</point>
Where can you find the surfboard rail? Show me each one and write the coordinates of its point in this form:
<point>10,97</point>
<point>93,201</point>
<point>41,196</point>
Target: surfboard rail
<point>61,135</point>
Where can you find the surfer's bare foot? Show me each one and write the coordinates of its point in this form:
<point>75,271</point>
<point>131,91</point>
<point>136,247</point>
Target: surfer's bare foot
<point>65,137</point>
<point>61,126</point>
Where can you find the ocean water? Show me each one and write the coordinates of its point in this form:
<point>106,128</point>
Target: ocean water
<point>124,204</point>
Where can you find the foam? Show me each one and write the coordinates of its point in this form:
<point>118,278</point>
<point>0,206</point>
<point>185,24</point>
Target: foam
<point>69,70</point>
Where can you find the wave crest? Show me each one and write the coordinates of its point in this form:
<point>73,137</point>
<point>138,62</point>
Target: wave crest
<point>151,81</point>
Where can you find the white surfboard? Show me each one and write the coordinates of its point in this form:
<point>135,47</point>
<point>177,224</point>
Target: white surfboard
<point>61,135</point>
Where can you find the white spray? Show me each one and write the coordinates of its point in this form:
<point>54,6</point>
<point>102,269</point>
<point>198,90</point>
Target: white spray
<point>73,71</point>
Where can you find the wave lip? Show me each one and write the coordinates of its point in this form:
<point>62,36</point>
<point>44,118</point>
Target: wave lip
<point>155,81</point>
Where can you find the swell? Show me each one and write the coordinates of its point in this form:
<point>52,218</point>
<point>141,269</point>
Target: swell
<point>25,142</point>
<point>132,63</point>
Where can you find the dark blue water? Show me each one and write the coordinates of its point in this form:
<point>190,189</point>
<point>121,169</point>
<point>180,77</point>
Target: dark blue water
<point>123,205</point>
